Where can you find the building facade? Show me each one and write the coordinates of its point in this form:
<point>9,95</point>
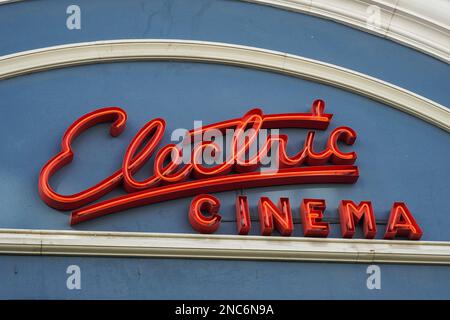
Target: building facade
<point>370,79</point>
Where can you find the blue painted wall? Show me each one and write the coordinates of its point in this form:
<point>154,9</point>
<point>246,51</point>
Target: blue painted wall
<point>42,23</point>
<point>401,158</point>
<point>111,278</point>
<point>392,147</point>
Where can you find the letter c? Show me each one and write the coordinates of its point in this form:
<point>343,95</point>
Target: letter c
<point>200,222</point>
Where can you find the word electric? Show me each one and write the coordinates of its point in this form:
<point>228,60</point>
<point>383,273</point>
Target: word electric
<point>205,217</point>
<point>173,179</point>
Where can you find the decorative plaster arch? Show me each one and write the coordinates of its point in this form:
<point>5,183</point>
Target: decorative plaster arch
<point>422,25</point>
<point>211,52</point>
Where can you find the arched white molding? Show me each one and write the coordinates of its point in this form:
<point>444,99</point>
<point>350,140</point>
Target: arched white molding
<point>198,51</point>
<point>420,24</point>
<point>199,246</point>
<point>9,1</point>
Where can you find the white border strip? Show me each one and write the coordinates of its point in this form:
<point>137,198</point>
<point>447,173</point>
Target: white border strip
<point>419,24</point>
<point>166,245</point>
<point>200,51</point>
<point>9,1</point>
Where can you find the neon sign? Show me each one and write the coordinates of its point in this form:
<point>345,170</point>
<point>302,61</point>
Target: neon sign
<point>172,179</point>
<point>279,217</point>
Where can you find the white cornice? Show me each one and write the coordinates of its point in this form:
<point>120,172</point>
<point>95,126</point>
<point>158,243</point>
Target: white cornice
<point>420,24</point>
<point>9,1</point>
<point>166,245</point>
<point>199,51</point>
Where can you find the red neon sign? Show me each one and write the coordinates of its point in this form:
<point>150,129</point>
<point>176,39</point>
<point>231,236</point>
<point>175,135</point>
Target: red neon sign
<point>171,181</point>
<point>401,222</point>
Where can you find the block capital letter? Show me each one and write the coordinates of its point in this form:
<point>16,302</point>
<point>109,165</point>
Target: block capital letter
<point>243,222</point>
<point>200,222</point>
<point>402,223</point>
<point>280,216</point>
<point>311,211</point>
<point>350,214</point>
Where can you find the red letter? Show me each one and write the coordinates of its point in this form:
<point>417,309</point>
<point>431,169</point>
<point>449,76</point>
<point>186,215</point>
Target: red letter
<point>347,135</point>
<point>402,223</point>
<point>311,212</point>
<point>282,215</point>
<point>350,214</point>
<point>118,117</point>
<point>242,215</point>
<point>152,132</point>
<point>198,221</point>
